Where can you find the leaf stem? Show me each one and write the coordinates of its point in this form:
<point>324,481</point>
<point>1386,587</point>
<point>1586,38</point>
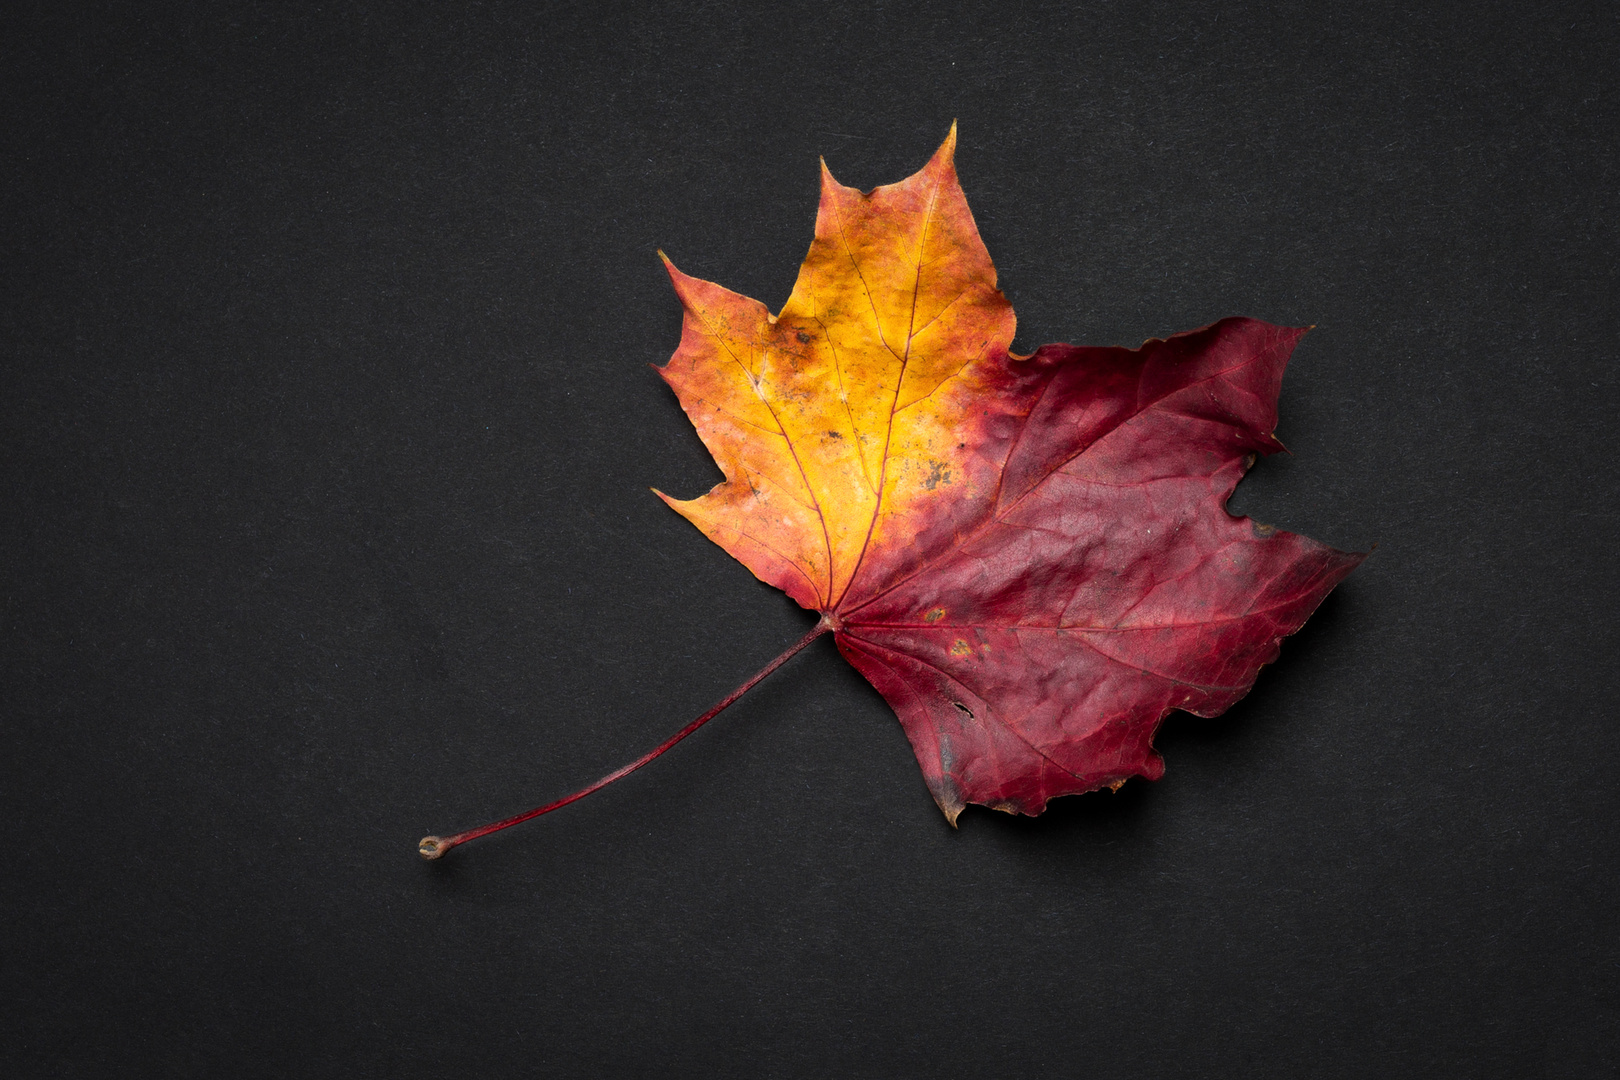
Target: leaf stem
<point>434,847</point>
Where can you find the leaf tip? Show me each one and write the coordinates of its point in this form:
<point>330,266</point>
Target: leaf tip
<point>828,182</point>
<point>946,154</point>
<point>678,279</point>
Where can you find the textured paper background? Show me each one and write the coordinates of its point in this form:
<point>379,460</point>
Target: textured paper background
<point>327,436</point>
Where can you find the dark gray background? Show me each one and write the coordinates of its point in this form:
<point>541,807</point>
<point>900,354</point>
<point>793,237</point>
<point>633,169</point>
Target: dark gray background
<point>327,438</point>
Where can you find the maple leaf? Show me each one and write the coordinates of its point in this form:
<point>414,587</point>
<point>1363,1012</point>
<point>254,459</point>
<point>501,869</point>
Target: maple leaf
<point>1029,557</point>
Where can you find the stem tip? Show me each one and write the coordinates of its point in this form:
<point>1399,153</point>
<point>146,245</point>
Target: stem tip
<point>433,847</point>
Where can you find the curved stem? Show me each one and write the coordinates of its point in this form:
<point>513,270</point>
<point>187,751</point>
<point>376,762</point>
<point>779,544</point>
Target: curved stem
<point>434,847</point>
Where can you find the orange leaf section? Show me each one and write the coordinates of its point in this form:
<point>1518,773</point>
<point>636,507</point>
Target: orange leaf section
<point>836,419</point>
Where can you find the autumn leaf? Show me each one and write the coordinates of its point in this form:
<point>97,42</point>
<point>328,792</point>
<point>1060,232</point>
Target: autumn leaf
<point>1028,556</point>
